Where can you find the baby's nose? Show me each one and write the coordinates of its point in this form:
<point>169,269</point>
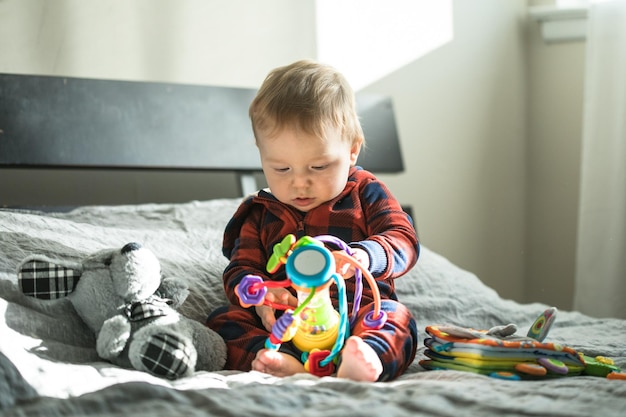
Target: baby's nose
<point>301,180</point>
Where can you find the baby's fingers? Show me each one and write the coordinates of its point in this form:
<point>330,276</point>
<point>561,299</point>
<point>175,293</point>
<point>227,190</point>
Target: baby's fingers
<point>266,314</point>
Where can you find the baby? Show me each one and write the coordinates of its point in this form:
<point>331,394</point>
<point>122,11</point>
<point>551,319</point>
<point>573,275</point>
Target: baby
<point>309,138</point>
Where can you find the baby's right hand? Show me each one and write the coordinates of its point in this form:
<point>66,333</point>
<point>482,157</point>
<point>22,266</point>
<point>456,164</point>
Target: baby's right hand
<point>275,295</point>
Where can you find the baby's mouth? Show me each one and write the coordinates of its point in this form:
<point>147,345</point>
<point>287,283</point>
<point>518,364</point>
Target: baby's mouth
<point>303,201</point>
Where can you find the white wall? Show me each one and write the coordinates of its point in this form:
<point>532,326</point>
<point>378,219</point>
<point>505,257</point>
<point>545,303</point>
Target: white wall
<point>231,43</point>
<point>463,112</point>
<point>555,109</point>
<point>462,117</point>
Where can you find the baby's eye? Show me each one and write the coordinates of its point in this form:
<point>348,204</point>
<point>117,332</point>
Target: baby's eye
<point>281,169</point>
<point>319,167</point>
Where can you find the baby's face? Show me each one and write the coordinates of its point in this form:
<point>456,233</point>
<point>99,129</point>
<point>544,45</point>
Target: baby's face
<point>304,171</point>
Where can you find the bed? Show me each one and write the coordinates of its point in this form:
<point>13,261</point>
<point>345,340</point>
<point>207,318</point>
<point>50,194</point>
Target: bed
<point>49,366</point>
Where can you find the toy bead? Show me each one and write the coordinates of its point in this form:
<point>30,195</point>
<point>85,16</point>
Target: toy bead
<point>505,375</point>
<point>531,369</point>
<point>248,294</point>
<point>553,365</point>
<point>272,343</point>
<point>285,327</point>
<point>375,323</point>
<point>314,366</point>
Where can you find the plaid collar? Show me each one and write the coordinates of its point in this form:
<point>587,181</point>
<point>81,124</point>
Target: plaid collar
<point>153,306</point>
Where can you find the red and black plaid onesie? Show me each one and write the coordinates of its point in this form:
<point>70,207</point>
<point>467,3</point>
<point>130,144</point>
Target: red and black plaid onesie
<point>364,215</point>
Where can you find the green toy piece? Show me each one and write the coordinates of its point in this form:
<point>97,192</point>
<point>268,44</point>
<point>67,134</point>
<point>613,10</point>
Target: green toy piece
<point>599,366</point>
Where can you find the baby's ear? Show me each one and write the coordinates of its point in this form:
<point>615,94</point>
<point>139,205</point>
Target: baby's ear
<point>47,279</point>
<point>355,150</point>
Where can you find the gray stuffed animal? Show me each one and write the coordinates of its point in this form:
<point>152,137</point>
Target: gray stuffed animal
<point>121,296</point>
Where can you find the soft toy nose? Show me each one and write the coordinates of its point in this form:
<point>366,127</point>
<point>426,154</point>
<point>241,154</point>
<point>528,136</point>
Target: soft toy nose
<point>129,247</point>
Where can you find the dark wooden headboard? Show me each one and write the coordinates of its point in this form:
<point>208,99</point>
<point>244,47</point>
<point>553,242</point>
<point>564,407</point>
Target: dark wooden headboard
<point>63,122</point>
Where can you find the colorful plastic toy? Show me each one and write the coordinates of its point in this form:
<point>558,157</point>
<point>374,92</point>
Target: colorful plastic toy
<point>500,353</point>
<point>314,326</point>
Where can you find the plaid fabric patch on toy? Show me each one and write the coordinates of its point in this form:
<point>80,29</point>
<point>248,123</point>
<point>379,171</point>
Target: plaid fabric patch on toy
<point>167,355</point>
<point>151,307</point>
<point>45,280</point>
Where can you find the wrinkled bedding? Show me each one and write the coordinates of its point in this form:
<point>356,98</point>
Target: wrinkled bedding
<point>48,364</point>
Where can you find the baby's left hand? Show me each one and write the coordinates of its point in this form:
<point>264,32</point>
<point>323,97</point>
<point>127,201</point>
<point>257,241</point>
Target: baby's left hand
<point>348,270</point>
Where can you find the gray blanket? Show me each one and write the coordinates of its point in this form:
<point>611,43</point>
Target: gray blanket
<point>48,364</point>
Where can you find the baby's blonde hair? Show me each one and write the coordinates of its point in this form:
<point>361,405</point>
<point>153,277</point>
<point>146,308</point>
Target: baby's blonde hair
<point>306,95</point>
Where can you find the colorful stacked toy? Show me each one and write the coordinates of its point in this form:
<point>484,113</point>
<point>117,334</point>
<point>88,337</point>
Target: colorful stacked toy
<point>500,353</point>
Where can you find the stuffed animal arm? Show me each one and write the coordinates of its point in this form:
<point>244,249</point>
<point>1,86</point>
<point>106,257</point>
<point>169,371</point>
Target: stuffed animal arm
<point>131,310</point>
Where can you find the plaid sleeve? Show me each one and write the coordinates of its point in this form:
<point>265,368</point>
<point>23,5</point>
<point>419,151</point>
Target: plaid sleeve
<point>244,247</point>
<point>392,244</point>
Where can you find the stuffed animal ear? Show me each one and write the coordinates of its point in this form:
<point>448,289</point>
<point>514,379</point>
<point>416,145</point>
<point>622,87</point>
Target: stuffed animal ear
<point>174,290</point>
<point>46,279</point>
